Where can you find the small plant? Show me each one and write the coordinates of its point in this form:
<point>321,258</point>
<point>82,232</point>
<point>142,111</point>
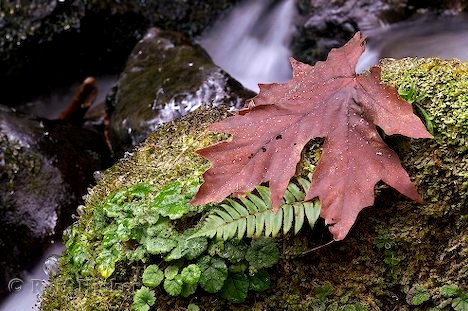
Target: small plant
<point>137,224</point>
<point>152,276</point>
<point>418,295</point>
<point>143,299</point>
<point>386,243</point>
<point>193,307</point>
<point>253,216</point>
<point>459,298</point>
<point>412,95</point>
<point>322,292</point>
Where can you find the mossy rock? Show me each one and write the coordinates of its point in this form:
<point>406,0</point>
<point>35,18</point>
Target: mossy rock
<point>400,255</point>
<point>151,90</point>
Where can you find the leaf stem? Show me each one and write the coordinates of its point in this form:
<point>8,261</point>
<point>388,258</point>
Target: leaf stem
<point>317,248</point>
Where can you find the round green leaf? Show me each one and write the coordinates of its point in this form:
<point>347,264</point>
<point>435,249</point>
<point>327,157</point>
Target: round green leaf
<point>235,288</point>
<point>170,272</point>
<point>195,247</point>
<point>188,289</point>
<point>260,281</point>
<point>191,274</point>
<point>460,303</point>
<point>173,287</point>
<point>143,299</point>
<point>449,290</point>
<point>263,253</point>
<point>417,295</point>
<point>159,245</point>
<point>235,250</point>
<point>193,307</point>
<point>152,276</point>
<point>213,273</point>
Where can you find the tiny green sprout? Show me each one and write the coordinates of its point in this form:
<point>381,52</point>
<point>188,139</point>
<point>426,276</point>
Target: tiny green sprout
<point>191,274</point>
<point>143,299</point>
<point>152,276</point>
<point>413,96</point>
<point>410,93</point>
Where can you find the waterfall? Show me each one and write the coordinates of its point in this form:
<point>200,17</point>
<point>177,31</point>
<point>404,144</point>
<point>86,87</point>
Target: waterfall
<point>252,42</point>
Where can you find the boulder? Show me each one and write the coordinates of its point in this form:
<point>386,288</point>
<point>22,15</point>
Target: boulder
<point>166,77</point>
<point>400,255</point>
<point>45,169</point>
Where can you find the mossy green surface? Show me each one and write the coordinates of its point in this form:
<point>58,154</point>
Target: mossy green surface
<point>400,255</point>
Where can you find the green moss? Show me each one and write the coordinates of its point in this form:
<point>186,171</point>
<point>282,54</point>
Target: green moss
<point>396,247</point>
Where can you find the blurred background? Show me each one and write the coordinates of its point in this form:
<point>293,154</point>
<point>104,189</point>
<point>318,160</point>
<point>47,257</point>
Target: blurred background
<point>83,81</point>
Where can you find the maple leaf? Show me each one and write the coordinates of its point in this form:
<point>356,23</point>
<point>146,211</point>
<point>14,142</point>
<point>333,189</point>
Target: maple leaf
<point>327,100</point>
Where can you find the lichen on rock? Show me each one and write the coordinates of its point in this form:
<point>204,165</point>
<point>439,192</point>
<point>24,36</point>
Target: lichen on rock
<point>399,255</point>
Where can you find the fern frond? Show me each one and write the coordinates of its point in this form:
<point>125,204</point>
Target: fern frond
<point>252,216</point>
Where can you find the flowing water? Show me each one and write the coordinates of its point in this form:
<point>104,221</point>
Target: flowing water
<point>444,37</point>
<point>252,42</point>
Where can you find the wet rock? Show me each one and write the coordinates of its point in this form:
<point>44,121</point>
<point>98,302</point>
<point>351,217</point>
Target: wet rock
<point>324,25</point>
<point>45,168</point>
<point>45,44</point>
<point>166,77</point>
<point>189,17</point>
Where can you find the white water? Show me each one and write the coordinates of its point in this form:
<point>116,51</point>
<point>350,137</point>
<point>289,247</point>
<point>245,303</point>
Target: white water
<point>444,37</point>
<point>252,42</point>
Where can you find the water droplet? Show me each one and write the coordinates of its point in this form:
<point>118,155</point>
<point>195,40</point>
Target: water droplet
<point>80,210</point>
<point>51,265</point>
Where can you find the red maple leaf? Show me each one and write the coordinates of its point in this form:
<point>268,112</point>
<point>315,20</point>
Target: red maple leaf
<point>326,100</point>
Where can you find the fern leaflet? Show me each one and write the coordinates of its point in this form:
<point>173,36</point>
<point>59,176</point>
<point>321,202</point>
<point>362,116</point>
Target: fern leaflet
<point>252,216</point>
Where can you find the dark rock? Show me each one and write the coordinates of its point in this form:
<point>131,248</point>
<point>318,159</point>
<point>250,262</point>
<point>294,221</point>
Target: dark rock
<point>48,43</point>
<point>45,169</point>
<point>166,77</point>
<point>188,17</point>
<point>325,24</point>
